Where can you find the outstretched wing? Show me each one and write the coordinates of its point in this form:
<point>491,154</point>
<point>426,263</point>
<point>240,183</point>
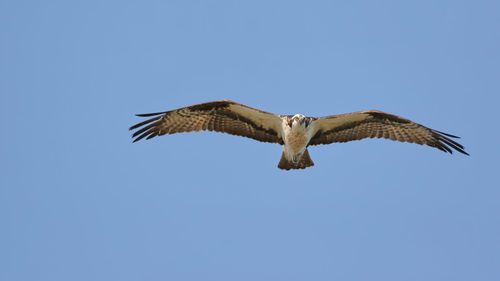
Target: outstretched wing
<point>220,116</point>
<point>378,124</point>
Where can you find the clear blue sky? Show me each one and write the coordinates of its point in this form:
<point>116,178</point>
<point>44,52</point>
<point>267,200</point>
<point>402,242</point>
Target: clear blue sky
<point>79,201</point>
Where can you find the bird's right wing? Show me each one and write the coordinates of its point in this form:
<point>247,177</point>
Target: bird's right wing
<point>220,116</point>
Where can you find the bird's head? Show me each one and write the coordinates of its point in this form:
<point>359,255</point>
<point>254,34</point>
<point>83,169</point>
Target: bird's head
<point>298,118</point>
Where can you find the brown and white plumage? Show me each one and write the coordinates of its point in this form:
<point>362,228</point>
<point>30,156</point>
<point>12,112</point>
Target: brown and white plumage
<point>295,133</point>
<point>220,116</point>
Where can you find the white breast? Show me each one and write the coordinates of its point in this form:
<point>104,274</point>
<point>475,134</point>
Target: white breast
<point>296,138</point>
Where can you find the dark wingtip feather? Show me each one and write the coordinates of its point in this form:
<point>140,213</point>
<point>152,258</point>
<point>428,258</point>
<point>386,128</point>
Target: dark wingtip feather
<point>144,123</point>
<point>143,129</point>
<point>448,135</point>
<point>444,143</point>
<point>151,114</point>
<point>154,134</point>
<point>147,133</point>
<point>147,130</point>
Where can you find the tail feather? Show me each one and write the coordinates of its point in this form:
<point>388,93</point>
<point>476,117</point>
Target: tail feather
<point>302,164</point>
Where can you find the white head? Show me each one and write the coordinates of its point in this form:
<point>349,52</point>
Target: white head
<point>298,116</point>
<point>298,119</point>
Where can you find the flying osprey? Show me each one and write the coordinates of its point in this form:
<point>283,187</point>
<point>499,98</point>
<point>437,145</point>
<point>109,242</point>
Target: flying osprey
<point>295,132</point>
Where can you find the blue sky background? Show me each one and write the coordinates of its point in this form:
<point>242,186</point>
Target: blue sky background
<point>79,201</point>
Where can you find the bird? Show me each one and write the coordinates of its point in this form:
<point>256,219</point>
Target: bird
<point>294,132</point>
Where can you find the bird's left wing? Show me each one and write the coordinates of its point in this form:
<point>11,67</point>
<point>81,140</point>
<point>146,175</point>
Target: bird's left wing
<point>378,124</point>
<point>220,116</point>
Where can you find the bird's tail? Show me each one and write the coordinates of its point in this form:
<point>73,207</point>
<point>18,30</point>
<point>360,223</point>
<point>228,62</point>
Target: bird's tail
<point>304,162</point>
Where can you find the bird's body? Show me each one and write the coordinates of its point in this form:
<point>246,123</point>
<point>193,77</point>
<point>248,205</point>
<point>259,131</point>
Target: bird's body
<point>295,133</point>
<point>296,136</point>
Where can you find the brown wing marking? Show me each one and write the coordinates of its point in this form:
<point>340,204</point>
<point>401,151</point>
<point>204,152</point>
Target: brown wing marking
<point>220,116</point>
<point>377,124</point>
